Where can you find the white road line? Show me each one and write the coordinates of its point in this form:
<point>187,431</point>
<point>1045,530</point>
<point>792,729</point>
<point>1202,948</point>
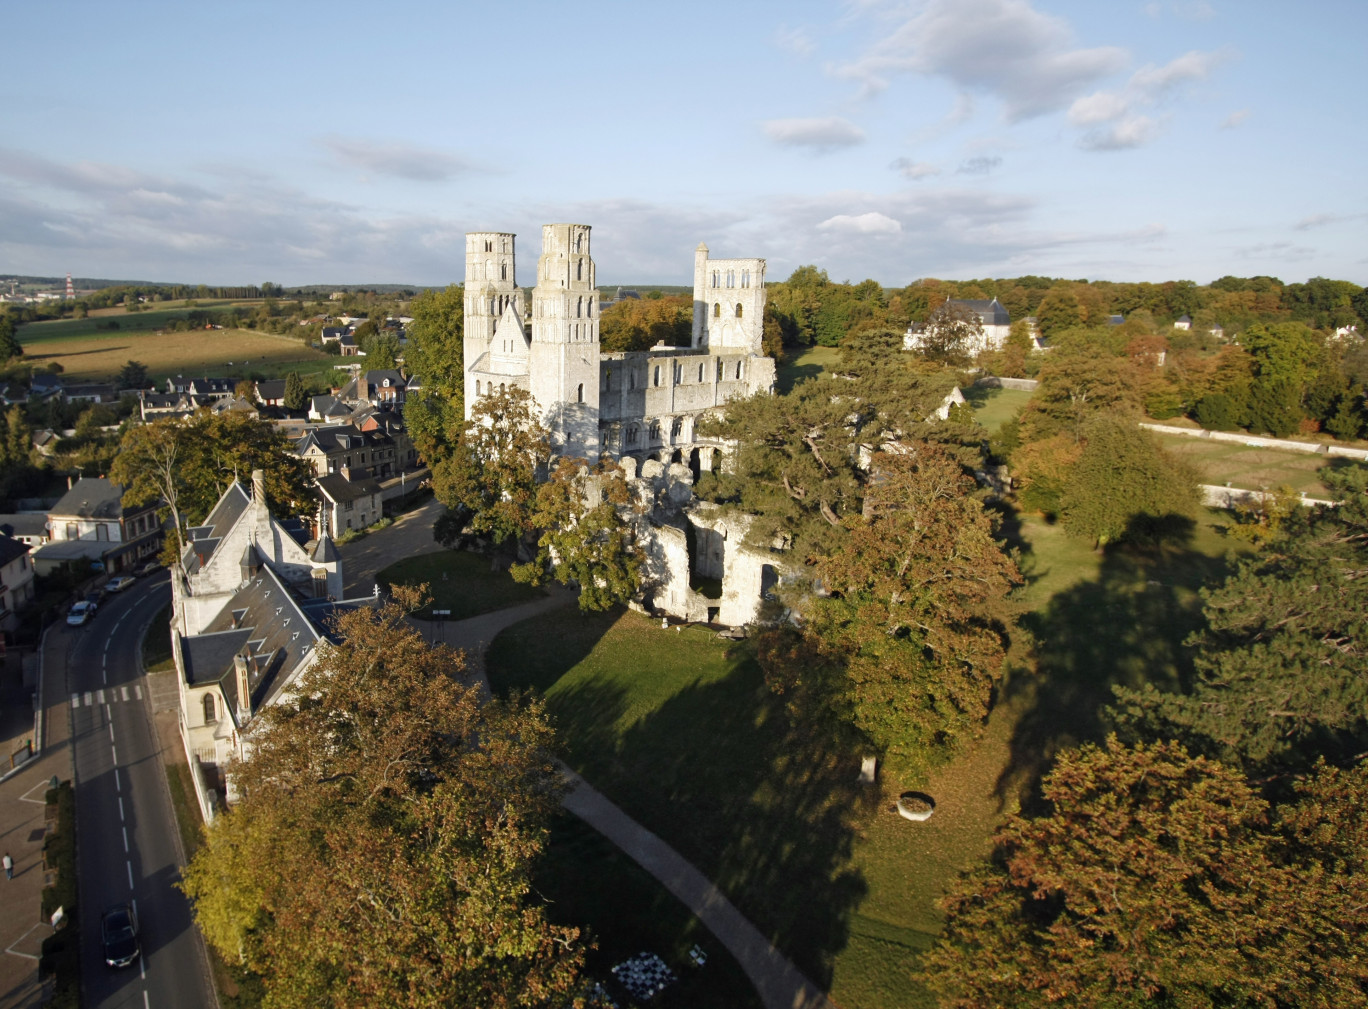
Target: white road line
<point>137,691</point>
<point>125,693</point>
<point>87,698</point>
<point>111,728</point>
<point>129,865</point>
<point>146,1004</point>
<point>121,809</point>
<point>125,833</point>
<point>100,695</point>
<point>117,786</point>
<point>104,674</point>
<point>109,715</point>
<point>114,754</point>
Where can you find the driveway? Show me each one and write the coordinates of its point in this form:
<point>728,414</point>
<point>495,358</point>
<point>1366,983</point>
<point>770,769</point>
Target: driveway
<point>410,535</point>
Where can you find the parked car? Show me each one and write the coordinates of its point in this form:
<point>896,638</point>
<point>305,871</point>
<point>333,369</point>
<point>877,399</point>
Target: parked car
<point>147,568</point>
<point>119,930</point>
<point>80,613</point>
<point>95,596</point>
<point>119,583</point>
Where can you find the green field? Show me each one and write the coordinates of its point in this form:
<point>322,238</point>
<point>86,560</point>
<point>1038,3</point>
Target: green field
<point>459,581</point>
<point>810,362</point>
<point>679,729</point>
<point>994,407</point>
<point>1250,467</point>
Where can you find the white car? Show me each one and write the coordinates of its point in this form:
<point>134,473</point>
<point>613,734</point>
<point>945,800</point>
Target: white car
<point>119,583</point>
<point>80,613</point>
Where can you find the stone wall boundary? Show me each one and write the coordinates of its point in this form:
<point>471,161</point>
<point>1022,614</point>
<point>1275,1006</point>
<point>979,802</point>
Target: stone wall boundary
<point>1020,384</point>
<point>1259,441</point>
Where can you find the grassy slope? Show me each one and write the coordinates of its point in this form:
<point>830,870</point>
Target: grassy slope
<point>1246,466</point>
<point>810,362</point>
<point>994,407</point>
<point>459,581</point>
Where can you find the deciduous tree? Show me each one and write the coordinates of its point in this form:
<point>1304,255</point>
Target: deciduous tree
<point>953,334</point>
<point>381,848</point>
<point>435,355</point>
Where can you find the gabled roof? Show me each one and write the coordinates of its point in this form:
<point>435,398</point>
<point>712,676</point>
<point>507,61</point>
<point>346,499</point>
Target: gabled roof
<point>93,498</point>
<point>24,524</point>
<point>204,539</point>
<point>339,489</point>
<point>11,550</point>
<point>379,377</point>
<point>990,312</point>
<point>271,389</point>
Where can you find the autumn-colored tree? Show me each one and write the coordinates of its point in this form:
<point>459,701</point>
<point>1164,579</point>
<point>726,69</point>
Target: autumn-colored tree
<point>1074,387</point>
<point>492,471</point>
<point>587,538</point>
<point>907,641</point>
<point>1159,879</point>
<point>1280,663</point>
<point>381,847</point>
<point>1041,470</point>
<point>435,355</point>
<point>1059,310</point>
<point>639,324</point>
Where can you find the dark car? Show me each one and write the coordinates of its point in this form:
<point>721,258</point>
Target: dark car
<point>119,931</point>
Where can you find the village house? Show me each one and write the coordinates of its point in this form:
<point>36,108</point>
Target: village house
<point>345,448</point>
<point>16,581</point>
<point>26,527</point>
<point>348,502</point>
<point>90,522</point>
<point>271,392</point>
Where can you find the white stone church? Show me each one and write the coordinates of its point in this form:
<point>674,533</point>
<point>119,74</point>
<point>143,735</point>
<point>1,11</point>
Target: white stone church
<point>642,404</point>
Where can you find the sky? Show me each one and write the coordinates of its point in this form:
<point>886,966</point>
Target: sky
<point>348,143</point>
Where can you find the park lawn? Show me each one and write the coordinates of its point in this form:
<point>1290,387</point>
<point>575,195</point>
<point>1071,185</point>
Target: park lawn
<point>679,729</point>
<point>994,407</point>
<point>810,362</point>
<point>221,353</point>
<point>1248,466</point>
<point>459,581</point>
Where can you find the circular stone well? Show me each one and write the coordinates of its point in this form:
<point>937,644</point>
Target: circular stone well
<point>916,806</point>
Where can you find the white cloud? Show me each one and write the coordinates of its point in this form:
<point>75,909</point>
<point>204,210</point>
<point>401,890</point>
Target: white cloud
<point>1316,221</point>
<point>404,161</point>
<point>872,223</point>
<point>1235,119</point>
<point>915,170</point>
<point>819,134</point>
<point>981,165</point>
<point>1114,120</point>
<point>795,40</point>
<point>1006,48</point>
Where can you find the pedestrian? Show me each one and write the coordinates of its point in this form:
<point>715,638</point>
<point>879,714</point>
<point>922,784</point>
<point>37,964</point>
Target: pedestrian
<point>9,866</point>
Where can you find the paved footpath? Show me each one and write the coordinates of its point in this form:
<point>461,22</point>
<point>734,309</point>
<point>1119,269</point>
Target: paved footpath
<point>408,536</point>
<point>778,982</point>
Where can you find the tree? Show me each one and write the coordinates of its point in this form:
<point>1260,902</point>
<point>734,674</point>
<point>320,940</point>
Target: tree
<point>10,347</point>
<point>381,349</point>
<point>1125,486</point>
<point>493,470</point>
<point>245,389</point>
<point>434,413</point>
<point>1076,385</point>
<point>954,333</point>
<point>1158,879</point>
<point>381,849</point>
<point>1283,356</point>
<point>908,640</point>
<point>1058,311</point>
<point>639,324</point>
<point>296,396</point>
<point>1280,664</point>
<point>585,540</point>
<point>133,375</point>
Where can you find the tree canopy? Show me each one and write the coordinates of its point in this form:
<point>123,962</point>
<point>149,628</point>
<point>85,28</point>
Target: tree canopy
<point>380,849</point>
<point>435,354</point>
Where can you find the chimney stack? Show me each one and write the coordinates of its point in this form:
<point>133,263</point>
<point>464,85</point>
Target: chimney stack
<point>244,689</point>
<point>259,486</point>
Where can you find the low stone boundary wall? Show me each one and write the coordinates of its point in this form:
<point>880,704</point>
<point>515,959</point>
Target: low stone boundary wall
<point>1258,441</point>
<point>1228,497</point>
<point>1020,384</point>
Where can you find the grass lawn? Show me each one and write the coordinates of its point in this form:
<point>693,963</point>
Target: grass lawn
<point>90,355</point>
<point>994,407</point>
<point>810,362</point>
<point>459,581</point>
<point>1249,467</point>
<point>679,729</point>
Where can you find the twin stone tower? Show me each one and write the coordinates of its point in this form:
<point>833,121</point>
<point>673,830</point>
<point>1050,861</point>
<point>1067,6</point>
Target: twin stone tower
<point>642,403</point>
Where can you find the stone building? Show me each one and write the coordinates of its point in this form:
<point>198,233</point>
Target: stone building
<point>643,404</point>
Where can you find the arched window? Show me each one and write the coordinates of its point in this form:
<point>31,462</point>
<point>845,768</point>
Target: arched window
<point>738,371</point>
<point>719,369</point>
<point>579,307</point>
<point>745,278</point>
<point>632,435</point>
<point>700,372</point>
<point>579,242</point>
<point>489,245</point>
<point>654,431</point>
<point>501,387</point>
<point>579,393</point>
<point>676,428</point>
<point>717,310</point>
<point>477,388</point>
<point>589,307</point>
<point>631,380</point>
<point>210,714</point>
<point>731,278</point>
<point>738,310</point>
<point>657,374</point>
<point>503,271</point>
<point>579,269</point>
<point>492,309</point>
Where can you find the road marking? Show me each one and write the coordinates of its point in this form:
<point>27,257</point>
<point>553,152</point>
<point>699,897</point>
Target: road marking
<point>114,754</point>
<point>104,673</point>
<point>109,715</point>
<point>117,786</point>
<point>137,691</point>
<point>146,1005</point>
<point>87,699</point>
<point>99,694</point>
<point>125,693</point>
<point>111,726</point>
<point>121,808</point>
<point>129,866</point>
<point>125,833</point>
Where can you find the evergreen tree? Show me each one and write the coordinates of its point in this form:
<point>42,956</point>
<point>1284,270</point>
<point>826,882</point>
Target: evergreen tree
<point>9,339</point>
<point>296,398</point>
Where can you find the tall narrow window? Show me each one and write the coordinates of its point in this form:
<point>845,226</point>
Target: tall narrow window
<point>503,271</point>
<point>210,715</point>
<point>579,242</point>
<point>738,371</point>
<point>745,278</point>
<point>717,310</point>
<point>579,393</point>
<point>477,388</point>
<point>700,373</point>
<point>579,307</point>
<point>714,278</point>
<point>738,310</point>
<point>657,382</point>
<point>719,369</point>
<point>579,269</point>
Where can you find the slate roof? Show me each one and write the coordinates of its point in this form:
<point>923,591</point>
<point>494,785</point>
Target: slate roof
<point>272,632</point>
<point>11,549</point>
<point>325,551</point>
<point>328,406</point>
<point>271,389</point>
<point>338,438</point>
<point>991,313</point>
<point>24,524</point>
<point>378,377</point>
<point>340,490</point>
<point>204,539</point>
<point>92,498</point>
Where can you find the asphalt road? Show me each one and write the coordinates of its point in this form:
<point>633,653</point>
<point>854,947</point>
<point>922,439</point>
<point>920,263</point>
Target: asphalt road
<point>126,829</point>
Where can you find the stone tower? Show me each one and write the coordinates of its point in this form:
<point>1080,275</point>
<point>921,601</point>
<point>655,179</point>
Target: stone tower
<point>729,304</point>
<point>563,367</point>
<point>491,293</point>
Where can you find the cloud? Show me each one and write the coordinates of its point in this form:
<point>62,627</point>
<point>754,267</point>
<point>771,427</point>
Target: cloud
<point>1005,48</point>
<point>1275,251</point>
<point>822,134</point>
<point>1114,120</point>
<point>980,165</point>
<point>1318,220</point>
<point>915,170</point>
<point>872,223</point>
<point>795,40</point>
<point>1235,119</point>
<point>402,161</point>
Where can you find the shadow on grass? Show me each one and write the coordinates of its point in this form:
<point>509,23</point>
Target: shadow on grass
<point>703,755</point>
<point>1125,627</point>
